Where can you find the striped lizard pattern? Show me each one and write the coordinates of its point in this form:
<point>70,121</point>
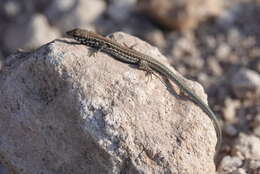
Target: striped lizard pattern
<point>145,62</point>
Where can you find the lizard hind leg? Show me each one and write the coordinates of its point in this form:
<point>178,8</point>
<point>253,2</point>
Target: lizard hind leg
<point>145,67</point>
<point>149,72</point>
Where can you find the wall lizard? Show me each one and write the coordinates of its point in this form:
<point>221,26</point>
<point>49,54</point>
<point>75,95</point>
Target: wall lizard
<point>145,62</point>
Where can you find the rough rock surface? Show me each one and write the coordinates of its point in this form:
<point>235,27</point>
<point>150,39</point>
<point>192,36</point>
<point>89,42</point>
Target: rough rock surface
<point>63,111</point>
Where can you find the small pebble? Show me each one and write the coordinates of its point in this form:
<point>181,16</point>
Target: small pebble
<point>215,67</point>
<point>230,130</point>
<point>11,8</point>
<point>223,51</point>
<point>239,171</point>
<point>229,164</point>
<point>247,146</point>
<point>229,110</point>
<point>256,131</point>
<point>246,83</point>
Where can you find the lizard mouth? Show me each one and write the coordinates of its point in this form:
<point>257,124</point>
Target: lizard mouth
<point>73,32</point>
<point>70,33</point>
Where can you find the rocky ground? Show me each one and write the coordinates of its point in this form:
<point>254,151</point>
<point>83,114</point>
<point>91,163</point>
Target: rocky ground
<point>222,53</point>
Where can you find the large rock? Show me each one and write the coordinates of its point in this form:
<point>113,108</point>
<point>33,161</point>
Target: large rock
<point>180,14</point>
<point>62,111</point>
<point>30,34</point>
<point>67,14</point>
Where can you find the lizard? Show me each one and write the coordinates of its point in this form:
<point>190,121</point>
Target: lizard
<point>144,62</point>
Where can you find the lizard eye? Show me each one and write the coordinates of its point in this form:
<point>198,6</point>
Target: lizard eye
<point>96,44</point>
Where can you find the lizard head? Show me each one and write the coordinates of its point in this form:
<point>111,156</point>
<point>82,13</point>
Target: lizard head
<point>76,32</point>
<point>81,34</point>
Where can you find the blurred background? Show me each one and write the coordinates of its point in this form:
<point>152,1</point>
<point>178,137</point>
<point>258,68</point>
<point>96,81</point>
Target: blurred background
<point>215,42</point>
